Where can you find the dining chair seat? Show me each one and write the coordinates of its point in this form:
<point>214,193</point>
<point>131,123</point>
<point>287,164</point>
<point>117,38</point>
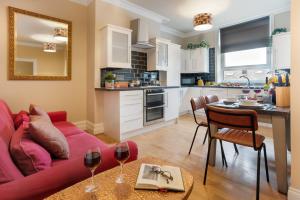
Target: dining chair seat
<point>239,137</point>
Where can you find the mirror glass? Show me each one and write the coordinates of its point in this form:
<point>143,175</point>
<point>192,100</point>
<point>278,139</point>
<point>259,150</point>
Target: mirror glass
<point>41,48</point>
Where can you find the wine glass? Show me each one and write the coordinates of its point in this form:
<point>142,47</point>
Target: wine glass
<point>121,155</point>
<point>92,160</point>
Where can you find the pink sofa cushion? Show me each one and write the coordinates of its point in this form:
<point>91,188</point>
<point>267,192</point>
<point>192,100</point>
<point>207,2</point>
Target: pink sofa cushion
<point>37,110</point>
<point>28,155</point>
<point>8,170</point>
<point>67,128</point>
<point>79,145</point>
<point>21,117</point>
<point>48,136</point>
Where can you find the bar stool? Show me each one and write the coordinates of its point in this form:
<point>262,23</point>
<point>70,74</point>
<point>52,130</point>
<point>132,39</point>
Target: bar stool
<point>238,127</point>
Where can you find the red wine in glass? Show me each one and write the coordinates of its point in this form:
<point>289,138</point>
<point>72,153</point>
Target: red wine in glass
<point>121,155</point>
<point>92,160</point>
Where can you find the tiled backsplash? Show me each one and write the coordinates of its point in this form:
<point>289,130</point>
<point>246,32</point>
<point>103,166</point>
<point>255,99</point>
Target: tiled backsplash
<point>139,66</point>
<point>212,69</point>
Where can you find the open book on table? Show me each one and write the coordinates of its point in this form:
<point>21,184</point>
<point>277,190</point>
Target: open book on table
<point>155,177</point>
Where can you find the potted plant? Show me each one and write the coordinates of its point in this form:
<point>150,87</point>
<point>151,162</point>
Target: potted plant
<point>109,79</point>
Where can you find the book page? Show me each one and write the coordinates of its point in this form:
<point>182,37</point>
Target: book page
<point>146,177</point>
<point>176,183</point>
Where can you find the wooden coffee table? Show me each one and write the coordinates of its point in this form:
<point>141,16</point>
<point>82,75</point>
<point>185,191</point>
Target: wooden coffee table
<point>109,190</point>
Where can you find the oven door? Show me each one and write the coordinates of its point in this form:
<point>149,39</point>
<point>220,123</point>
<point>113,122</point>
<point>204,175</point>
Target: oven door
<point>153,115</point>
<point>154,99</point>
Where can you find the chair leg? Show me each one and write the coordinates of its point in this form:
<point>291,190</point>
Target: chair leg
<point>194,139</point>
<point>258,174</point>
<point>207,159</point>
<point>224,161</point>
<point>236,149</point>
<point>206,134</point>
<point>266,163</point>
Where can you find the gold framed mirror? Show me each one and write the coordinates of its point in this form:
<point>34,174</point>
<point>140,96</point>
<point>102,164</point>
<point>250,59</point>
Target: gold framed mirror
<point>40,46</point>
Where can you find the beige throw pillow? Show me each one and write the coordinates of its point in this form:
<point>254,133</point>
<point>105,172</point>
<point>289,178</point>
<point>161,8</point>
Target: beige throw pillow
<point>48,136</point>
<point>37,110</point>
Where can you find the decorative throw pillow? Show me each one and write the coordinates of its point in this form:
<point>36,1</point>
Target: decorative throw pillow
<point>48,136</point>
<point>37,110</point>
<point>28,155</point>
<point>21,117</point>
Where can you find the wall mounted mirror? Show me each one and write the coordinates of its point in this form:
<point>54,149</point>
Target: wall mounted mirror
<point>40,47</point>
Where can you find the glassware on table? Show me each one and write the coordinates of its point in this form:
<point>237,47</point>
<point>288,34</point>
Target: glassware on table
<point>92,160</point>
<point>121,155</point>
<point>257,90</point>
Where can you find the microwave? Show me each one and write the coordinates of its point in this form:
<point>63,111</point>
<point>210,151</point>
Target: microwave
<point>188,81</point>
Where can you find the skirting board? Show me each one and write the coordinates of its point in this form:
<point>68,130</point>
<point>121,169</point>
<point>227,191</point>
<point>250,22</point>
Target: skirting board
<point>293,194</point>
<point>90,127</point>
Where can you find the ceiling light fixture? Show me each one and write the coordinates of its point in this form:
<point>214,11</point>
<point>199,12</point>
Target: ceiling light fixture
<point>202,22</point>
<point>61,34</point>
<point>49,47</point>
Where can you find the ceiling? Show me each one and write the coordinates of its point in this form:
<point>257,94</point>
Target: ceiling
<point>225,12</point>
<point>36,31</point>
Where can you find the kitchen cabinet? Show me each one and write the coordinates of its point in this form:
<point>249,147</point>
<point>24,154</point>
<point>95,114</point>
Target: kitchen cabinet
<point>157,58</point>
<point>195,60</point>
<point>220,92</point>
<point>115,47</point>
<point>123,113</point>
<point>172,103</point>
<point>173,70</point>
<point>185,97</point>
<point>281,47</point>
<point>233,93</point>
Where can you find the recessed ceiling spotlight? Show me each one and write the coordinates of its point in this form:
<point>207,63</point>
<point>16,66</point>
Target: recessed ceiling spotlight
<point>61,34</point>
<point>202,22</point>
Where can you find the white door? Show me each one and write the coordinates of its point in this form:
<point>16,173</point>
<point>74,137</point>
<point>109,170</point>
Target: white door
<point>161,56</point>
<point>172,104</point>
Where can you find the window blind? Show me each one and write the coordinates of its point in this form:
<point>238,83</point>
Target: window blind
<point>248,35</point>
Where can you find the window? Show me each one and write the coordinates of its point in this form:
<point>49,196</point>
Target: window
<point>245,51</point>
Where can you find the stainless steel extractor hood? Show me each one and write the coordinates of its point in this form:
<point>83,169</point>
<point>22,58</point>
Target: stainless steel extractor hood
<point>140,34</point>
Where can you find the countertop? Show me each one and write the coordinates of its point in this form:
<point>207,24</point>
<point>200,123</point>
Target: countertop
<point>136,88</point>
<point>226,87</point>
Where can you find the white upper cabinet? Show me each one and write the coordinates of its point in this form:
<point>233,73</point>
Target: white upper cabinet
<point>173,70</point>
<point>282,51</point>
<point>115,47</point>
<point>158,56</point>
<point>195,60</point>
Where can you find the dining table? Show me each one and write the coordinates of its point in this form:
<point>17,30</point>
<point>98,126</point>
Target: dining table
<point>279,117</point>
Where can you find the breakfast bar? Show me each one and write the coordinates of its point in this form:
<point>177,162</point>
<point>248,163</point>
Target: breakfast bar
<point>280,120</point>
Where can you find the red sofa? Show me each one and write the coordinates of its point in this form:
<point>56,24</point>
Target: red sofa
<point>63,173</point>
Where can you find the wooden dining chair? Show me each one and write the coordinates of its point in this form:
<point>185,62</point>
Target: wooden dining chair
<point>213,99</point>
<point>238,127</point>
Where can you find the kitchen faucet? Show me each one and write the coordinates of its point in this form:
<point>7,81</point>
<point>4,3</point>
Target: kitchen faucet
<point>244,76</point>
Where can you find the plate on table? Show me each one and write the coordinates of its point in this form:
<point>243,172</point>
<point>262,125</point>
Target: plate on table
<point>229,101</point>
<point>253,105</point>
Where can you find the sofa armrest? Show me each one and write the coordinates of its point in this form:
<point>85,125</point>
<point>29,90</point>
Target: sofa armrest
<point>50,181</point>
<point>58,116</point>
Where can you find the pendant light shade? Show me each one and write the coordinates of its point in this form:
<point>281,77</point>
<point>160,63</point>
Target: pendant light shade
<point>202,22</point>
<point>49,47</point>
<point>61,34</point>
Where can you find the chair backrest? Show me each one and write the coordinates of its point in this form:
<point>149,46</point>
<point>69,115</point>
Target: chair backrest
<point>211,99</point>
<point>197,103</point>
<point>245,120</point>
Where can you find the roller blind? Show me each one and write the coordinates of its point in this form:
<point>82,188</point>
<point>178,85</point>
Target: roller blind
<point>248,35</point>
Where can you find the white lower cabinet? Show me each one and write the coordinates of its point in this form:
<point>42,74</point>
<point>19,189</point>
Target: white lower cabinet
<point>172,103</point>
<point>186,94</point>
<point>220,92</point>
<point>123,112</point>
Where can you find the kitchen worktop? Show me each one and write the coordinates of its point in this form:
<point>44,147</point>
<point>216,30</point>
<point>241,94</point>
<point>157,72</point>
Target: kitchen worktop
<point>136,88</point>
<point>226,87</point>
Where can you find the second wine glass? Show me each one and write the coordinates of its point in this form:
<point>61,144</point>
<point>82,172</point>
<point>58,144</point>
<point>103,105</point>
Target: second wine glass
<point>121,155</point>
<point>92,160</point>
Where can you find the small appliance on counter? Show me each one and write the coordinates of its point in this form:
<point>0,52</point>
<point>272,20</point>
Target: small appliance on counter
<point>188,81</point>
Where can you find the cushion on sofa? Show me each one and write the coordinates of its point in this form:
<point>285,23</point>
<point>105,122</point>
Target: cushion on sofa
<point>29,156</point>
<point>48,136</point>
<point>37,110</point>
<point>21,117</point>
<point>8,170</point>
<point>67,128</point>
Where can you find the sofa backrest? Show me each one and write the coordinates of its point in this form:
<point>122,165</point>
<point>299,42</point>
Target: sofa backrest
<point>8,170</point>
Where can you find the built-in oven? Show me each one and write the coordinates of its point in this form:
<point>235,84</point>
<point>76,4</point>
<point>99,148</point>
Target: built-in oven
<point>154,106</point>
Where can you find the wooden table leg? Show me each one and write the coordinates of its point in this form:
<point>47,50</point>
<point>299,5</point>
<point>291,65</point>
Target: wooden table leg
<point>280,148</point>
<point>212,155</point>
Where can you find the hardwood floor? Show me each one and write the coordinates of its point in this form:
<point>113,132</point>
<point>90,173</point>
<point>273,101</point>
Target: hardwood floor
<point>238,181</point>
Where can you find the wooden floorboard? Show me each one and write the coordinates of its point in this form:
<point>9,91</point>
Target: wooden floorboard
<point>238,181</point>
